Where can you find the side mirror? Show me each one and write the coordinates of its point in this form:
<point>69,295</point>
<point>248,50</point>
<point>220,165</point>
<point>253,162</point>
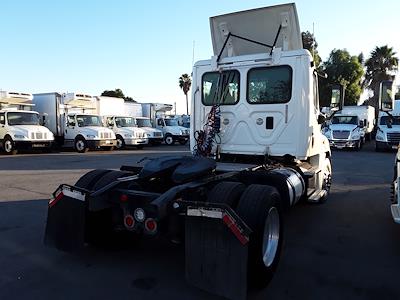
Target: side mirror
<point>337,97</point>
<point>361,124</point>
<point>71,124</point>
<point>43,123</point>
<point>321,119</point>
<point>386,95</point>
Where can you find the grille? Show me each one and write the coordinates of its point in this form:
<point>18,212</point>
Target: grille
<point>140,134</point>
<point>341,134</point>
<point>393,137</point>
<point>105,135</point>
<point>38,135</point>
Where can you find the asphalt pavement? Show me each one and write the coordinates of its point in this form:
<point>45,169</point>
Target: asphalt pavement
<point>347,248</point>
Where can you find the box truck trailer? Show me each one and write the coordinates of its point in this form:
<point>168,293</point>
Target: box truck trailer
<point>74,121</point>
<point>20,126</point>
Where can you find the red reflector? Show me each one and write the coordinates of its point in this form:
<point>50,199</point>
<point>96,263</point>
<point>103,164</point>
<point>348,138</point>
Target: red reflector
<point>150,225</point>
<point>129,221</point>
<point>54,201</point>
<point>231,224</point>
<point>123,198</point>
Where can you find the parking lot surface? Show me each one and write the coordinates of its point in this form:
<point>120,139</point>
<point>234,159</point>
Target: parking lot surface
<point>347,248</point>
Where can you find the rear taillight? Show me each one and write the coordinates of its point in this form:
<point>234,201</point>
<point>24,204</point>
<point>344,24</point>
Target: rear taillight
<point>129,221</point>
<point>150,225</point>
<point>123,198</point>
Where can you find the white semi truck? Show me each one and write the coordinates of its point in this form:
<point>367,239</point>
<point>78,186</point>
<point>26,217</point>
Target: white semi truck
<point>116,118</point>
<point>388,128</point>
<point>169,126</point>
<point>74,121</point>
<point>20,126</point>
<point>257,150</point>
<point>154,135</point>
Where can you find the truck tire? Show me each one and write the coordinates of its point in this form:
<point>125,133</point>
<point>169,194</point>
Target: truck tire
<point>260,208</point>
<point>120,142</point>
<point>327,179</point>
<point>88,180</point>
<point>169,140</point>
<point>9,146</point>
<point>226,192</point>
<point>81,145</point>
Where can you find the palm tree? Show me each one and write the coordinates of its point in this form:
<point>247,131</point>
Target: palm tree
<point>184,83</point>
<point>380,66</point>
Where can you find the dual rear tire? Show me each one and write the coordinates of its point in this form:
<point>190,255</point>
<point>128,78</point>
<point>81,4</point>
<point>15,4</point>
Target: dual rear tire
<point>259,206</point>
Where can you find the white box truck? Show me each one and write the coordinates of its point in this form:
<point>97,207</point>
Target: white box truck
<point>20,126</point>
<point>74,121</point>
<point>388,128</point>
<point>259,94</point>
<point>169,126</point>
<point>116,118</point>
<point>350,127</point>
<point>154,135</point>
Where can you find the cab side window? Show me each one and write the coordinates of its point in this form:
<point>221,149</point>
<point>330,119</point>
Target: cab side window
<point>2,119</point>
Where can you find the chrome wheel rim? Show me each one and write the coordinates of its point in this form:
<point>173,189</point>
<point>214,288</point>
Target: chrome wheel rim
<point>8,146</point>
<point>271,237</point>
<point>80,145</point>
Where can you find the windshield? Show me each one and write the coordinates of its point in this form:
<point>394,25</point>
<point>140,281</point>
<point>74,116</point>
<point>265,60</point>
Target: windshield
<point>345,120</point>
<point>144,123</point>
<point>86,120</point>
<point>21,118</point>
<point>385,120</point>
<point>125,122</point>
<point>171,122</point>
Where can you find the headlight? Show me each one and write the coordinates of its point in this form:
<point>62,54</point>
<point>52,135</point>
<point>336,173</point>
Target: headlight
<point>355,135</point>
<point>183,132</point>
<point>128,135</point>
<point>90,136</point>
<point>380,136</point>
<point>148,135</point>
<point>19,136</point>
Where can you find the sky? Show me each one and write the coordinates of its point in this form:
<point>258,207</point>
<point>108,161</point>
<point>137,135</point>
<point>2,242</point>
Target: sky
<point>142,47</point>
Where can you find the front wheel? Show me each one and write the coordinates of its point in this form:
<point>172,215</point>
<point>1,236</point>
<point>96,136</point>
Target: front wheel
<point>260,208</point>
<point>120,142</point>
<point>169,140</point>
<point>81,145</point>
<point>9,146</point>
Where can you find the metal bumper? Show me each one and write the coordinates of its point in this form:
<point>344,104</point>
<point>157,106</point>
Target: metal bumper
<point>343,143</point>
<point>28,145</point>
<point>134,142</point>
<point>180,137</point>
<point>387,145</point>
<point>93,144</point>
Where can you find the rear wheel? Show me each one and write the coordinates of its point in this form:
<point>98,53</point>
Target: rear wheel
<point>9,146</point>
<point>260,208</point>
<point>226,192</point>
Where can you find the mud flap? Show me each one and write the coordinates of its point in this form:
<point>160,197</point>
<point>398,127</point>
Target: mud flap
<point>216,258</point>
<point>65,227</point>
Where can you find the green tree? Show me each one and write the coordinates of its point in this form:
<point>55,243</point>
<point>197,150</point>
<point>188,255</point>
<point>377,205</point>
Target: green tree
<point>311,45</point>
<point>117,93</point>
<point>380,66</point>
<point>185,83</point>
<point>342,68</point>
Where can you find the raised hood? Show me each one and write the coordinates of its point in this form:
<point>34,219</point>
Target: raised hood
<point>260,25</point>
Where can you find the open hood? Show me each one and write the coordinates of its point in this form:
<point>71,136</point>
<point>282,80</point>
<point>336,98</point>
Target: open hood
<point>261,25</point>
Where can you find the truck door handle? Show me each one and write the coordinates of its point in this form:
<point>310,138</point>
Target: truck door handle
<point>269,123</point>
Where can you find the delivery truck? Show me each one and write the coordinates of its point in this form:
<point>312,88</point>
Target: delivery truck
<point>20,125</point>
<point>74,121</point>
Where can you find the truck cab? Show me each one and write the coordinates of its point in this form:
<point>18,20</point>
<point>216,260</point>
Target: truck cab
<point>20,127</point>
<point>154,135</point>
<point>345,131</point>
<point>126,131</point>
<point>172,131</point>
<point>388,128</point>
